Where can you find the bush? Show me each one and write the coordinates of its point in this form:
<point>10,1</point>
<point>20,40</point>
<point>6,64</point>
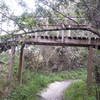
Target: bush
<point>79,91</point>
<point>29,91</point>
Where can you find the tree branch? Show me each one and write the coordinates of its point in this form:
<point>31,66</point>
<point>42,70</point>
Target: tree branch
<point>4,31</point>
<point>46,3</point>
<point>72,27</point>
<point>14,21</point>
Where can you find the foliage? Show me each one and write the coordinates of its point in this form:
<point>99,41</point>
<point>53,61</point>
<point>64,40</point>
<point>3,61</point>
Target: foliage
<point>79,91</point>
<point>5,59</point>
<point>16,64</point>
<point>90,10</point>
<point>26,20</point>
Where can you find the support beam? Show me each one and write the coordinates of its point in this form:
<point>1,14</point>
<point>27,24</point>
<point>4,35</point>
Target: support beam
<point>50,40</point>
<point>21,64</point>
<point>90,65</point>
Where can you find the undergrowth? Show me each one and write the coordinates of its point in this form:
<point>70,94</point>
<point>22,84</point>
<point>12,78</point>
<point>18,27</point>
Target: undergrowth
<point>34,82</point>
<point>79,91</point>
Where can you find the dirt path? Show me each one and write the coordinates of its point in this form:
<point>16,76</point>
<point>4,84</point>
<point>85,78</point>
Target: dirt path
<point>55,90</point>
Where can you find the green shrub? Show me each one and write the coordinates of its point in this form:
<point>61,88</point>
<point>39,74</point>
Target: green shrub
<point>79,91</point>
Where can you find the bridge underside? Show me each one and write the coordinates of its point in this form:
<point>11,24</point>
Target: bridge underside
<point>50,41</point>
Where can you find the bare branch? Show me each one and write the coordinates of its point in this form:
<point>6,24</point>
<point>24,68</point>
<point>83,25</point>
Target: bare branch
<point>4,31</point>
<point>46,3</point>
<point>19,25</point>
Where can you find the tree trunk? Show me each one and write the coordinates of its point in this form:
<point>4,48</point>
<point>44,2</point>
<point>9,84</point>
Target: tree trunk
<point>10,75</point>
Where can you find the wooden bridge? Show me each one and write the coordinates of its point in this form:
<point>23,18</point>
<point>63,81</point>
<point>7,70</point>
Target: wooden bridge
<point>15,40</point>
<point>49,40</point>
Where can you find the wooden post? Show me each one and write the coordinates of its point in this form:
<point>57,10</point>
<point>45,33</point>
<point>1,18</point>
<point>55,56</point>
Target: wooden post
<point>90,65</point>
<point>97,73</point>
<point>10,75</point>
<point>21,64</point>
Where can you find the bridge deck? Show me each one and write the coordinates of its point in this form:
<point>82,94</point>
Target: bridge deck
<point>49,40</point>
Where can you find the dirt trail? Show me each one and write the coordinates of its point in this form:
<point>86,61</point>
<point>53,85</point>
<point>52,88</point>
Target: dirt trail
<point>55,90</point>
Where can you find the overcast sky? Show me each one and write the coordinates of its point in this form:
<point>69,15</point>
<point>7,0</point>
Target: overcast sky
<point>17,9</point>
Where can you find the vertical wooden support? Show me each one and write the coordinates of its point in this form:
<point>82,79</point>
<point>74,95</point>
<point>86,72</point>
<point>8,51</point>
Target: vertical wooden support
<point>10,75</point>
<point>21,64</point>
<point>47,22</point>
<point>97,73</point>
<point>69,31</point>
<point>62,36</point>
<point>90,65</point>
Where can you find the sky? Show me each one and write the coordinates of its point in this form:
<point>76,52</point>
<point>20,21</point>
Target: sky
<point>17,9</point>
